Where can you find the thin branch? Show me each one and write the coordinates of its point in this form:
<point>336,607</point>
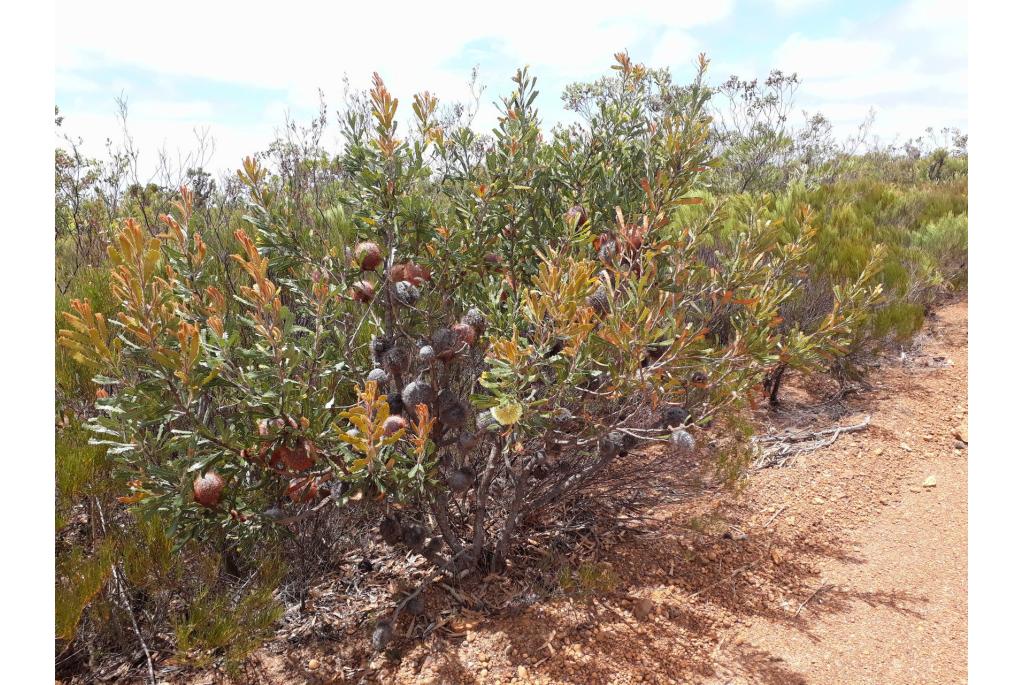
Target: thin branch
<point>823,587</point>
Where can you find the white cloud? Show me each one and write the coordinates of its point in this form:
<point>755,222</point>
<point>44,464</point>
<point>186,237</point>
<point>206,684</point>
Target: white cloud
<point>917,49</point>
<point>312,44</point>
<point>910,65</point>
<point>893,123</point>
<point>815,58</point>
<point>934,15</point>
<point>176,136</point>
<point>941,25</point>
<point>906,79</point>
<point>675,47</point>
<point>68,82</point>
<point>307,46</point>
<point>172,110</point>
<point>793,6</point>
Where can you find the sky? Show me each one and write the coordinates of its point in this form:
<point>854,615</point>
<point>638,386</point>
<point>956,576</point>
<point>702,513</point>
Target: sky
<point>234,71</point>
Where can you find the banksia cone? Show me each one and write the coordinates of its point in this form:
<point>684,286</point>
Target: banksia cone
<point>475,318</point>
<point>616,443</point>
<point>416,274</point>
<point>381,634</point>
<point>682,442</point>
<point>413,535</point>
<point>598,301</point>
<point>368,255</point>
<point>394,423</point>
<point>427,354</point>
<point>674,416</point>
<point>277,458</point>
<point>453,413</point>
<point>445,341</point>
<point>377,375</point>
<point>378,346</point>
<point>395,360</point>
<point>391,530</point>
<point>417,393</point>
<point>407,293</point>
<point>207,489</point>
<point>299,458</point>
<point>363,291</point>
<point>415,606</point>
<point>461,479</point>
<point>433,546</point>
<point>466,333</point>
<point>485,421</point>
<point>409,271</point>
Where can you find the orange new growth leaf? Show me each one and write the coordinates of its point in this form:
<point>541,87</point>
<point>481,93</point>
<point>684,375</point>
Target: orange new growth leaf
<point>368,416</point>
<point>645,184</point>
<point>422,427</point>
<point>263,295</point>
<point>132,499</point>
<point>88,338</point>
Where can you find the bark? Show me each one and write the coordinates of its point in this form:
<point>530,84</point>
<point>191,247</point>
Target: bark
<point>772,383</point>
<point>512,521</point>
<point>482,497</point>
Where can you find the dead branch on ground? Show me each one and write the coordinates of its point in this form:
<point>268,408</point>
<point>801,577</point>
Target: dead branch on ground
<point>778,449</point>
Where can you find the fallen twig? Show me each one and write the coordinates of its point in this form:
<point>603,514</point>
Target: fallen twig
<point>135,625</point>
<point>783,446</point>
<point>115,573</point>
<point>305,514</point>
<point>735,573</point>
<point>774,516</point>
<point>822,587</point>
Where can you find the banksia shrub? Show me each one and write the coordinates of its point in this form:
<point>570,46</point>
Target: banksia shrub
<point>539,303</point>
